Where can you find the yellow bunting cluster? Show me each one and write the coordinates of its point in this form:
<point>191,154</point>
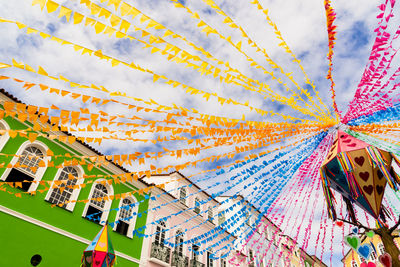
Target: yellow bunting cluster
<point>188,89</point>
<point>185,56</point>
<point>253,62</point>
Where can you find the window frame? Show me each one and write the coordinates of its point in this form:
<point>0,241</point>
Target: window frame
<point>107,205</point>
<point>6,136</point>
<point>210,214</point>
<point>182,199</point>
<point>179,239</point>
<point>210,260</point>
<point>75,193</point>
<point>197,205</point>
<point>40,170</point>
<point>194,255</point>
<point>132,221</point>
<point>160,233</point>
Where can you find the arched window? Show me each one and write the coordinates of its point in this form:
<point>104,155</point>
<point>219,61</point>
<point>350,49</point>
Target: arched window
<point>179,243</point>
<point>182,196</point>
<point>197,205</point>
<point>160,234</point>
<point>65,188</point>
<point>96,209</point>
<point>29,166</point>
<point>4,136</point>
<point>381,248</point>
<point>210,214</point>
<point>126,216</point>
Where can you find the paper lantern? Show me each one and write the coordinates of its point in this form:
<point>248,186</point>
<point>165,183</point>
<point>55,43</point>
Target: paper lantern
<point>359,172</point>
<point>100,252</point>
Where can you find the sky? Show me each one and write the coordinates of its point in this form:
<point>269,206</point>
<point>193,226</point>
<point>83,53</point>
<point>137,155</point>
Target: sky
<point>301,23</point>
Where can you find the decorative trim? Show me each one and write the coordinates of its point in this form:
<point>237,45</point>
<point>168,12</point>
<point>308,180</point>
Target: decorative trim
<point>58,230</point>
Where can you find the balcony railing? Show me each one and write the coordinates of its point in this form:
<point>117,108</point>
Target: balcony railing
<point>160,252</point>
<point>195,263</point>
<point>179,260</point>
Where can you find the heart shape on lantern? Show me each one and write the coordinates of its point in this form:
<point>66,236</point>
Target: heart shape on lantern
<point>386,260</point>
<point>97,262</point>
<point>364,251</point>
<point>380,174</point>
<point>369,264</point>
<point>359,160</point>
<point>352,241</point>
<point>364,176</point>
<point>379,189</point>
<point>89,259</point>
<point>368,189</point>
<point>102,244</point>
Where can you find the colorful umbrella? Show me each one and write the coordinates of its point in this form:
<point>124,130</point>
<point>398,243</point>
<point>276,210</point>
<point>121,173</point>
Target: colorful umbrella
<point>359,172</point>
<point>100,252</point>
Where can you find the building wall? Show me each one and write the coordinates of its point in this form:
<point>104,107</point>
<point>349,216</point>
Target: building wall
<point>73,222</point>
<point>55,249</point>
<point>195,226</point>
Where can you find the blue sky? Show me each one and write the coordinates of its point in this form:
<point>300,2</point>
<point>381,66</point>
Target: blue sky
<point>302,24</point>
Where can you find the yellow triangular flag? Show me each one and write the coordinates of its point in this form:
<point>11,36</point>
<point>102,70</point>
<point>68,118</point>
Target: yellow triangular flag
<point>104,12</point>
<point>94,9</point>
<point>3,65</point>
<point>89,21</point>
<point>114,20</point>
<point>144,18</point>
<point>114,62</point>
<point>42,71</point>
<point>42,3</point>
<point>65,12</point>
<point>51,6</point>
<point>30,30</point>
<point>201,24</point>
<point>124,26</point>
<point>29,68</point>
<point>44,35</point>
<point>78,18</point>
<point>18,65</point>
<point>99,27</point>
<point>125,8</point>
<point>168,33</point>
<point>110,31</point>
